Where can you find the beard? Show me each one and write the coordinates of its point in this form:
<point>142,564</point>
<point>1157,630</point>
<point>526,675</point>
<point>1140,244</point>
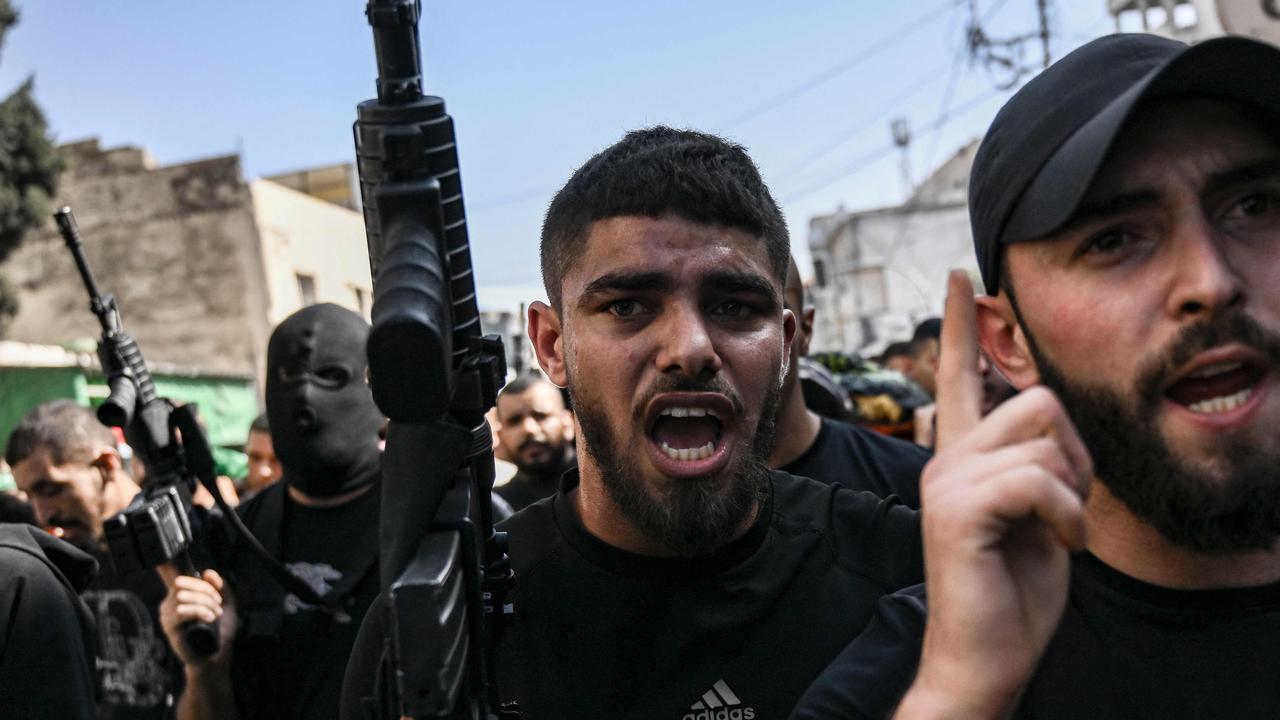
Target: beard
<point>692,517</point>
<point>1227,505</point>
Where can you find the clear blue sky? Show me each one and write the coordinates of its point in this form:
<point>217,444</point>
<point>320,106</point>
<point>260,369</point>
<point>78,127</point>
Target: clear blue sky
<point>536,88</point>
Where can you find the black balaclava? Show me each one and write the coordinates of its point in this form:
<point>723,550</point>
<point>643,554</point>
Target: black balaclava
<point>324,423</point>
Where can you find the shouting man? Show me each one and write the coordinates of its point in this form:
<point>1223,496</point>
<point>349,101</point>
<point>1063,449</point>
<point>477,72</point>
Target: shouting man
<point>1126,214</point>
<point>674,576</point>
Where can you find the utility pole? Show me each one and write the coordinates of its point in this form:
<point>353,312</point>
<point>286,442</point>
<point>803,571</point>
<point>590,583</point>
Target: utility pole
<point>1043,7</point>
<point>902,138</point>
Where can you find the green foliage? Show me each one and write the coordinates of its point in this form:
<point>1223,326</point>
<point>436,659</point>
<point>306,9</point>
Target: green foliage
<point>29,168</point>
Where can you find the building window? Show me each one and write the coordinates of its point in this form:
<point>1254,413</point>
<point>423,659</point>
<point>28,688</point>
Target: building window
<point>306,288</point>
<point>361,301</point>
<point>820,272</point>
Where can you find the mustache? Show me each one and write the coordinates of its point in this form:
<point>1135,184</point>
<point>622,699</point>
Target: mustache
<point>667,384</point>
<point>1233,327</point>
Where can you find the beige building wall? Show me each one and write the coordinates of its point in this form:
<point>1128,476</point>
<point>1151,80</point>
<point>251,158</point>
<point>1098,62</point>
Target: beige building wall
<point>176,245</point>
<point>307,240</point>
<point>203,264</point>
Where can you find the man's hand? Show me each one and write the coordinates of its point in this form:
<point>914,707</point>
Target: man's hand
<point>198,599</point>
<point>1002,502</point>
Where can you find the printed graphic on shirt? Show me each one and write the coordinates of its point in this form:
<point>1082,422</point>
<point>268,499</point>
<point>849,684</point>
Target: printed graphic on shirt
<point>131,650</point>
<point>719,703</point>
<point>320,577</point>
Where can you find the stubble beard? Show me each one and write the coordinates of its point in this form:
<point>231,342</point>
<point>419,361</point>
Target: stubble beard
<point>1230,504</point>
<point>691,517</point>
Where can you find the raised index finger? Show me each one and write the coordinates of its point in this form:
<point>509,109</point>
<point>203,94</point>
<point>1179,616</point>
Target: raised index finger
<point>959,383</point>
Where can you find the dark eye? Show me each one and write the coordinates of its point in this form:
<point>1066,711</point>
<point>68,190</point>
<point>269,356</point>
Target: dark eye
<point>733,309</point>
<point>1107,241</point>
<point>332,375</point>
<point>624,308</point>
<point>1257,204</point>
<point>291,375</point>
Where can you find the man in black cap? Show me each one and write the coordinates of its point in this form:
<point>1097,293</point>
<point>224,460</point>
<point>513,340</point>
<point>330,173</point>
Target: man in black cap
<point>321,521</point>
<point>1126,216</point>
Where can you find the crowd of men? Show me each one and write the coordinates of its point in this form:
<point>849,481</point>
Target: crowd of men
<point>1087,529</point>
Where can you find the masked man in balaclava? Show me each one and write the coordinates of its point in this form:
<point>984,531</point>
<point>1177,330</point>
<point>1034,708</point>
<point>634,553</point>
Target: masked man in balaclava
<point>283,657</point>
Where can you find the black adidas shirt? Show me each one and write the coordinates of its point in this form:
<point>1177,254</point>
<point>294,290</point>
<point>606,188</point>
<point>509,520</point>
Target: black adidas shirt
<point>1124,649</point>
<point>862,459</point>
<point>603,633</point>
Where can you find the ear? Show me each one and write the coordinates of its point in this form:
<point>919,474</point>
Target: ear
<point>806,329</point>
<point>547,337</point>
<point>107,462</point>
<point>1003,341</point>
<point>788,335</point>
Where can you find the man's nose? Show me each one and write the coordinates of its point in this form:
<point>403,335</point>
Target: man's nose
<point>1205,280</point>
<point>686,344</point>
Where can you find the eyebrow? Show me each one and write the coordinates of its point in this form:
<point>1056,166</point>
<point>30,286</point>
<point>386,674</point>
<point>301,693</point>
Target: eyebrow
<point>739,282</point>
<point>625,282</point>
<point>1094,210</point>
<point>1225,179</point>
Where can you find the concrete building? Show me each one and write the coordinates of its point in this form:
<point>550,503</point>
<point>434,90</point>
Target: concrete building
<point>203,263</point>
<point>879,272</point>
<point>1185,20</point>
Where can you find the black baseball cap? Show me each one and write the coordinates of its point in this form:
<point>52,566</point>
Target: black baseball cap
<point>1049,140</point>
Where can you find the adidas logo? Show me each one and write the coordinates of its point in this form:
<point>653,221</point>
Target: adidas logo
<point>719,703</point>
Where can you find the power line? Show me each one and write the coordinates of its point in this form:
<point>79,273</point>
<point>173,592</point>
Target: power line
<point>869,158</point>
<point>865,122</point>
<point>890,40</point>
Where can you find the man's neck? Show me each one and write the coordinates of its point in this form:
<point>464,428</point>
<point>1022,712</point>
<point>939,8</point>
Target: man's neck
<point>328,501</point>
<point>798,428</point>
<point>1135,548</point>
<point>601,517</point>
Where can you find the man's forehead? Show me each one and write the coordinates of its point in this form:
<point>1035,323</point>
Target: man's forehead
<point>680,250</point>
<point>542,396</point>
<point>1167,138</point>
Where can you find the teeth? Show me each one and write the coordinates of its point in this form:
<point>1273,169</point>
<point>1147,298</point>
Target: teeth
<point>689,412</point>
<point>698,453</point>
<point>1217,369</point>
<point>1221,404</point>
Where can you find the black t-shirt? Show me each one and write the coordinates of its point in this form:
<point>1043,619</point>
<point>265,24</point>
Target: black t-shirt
<point>46,632</point>
<point>525,489</point>
<point>603,633</point>
<point>289,656</point>
<point>139,677</point>
<point>1124,649</point>
<point>861,459</point>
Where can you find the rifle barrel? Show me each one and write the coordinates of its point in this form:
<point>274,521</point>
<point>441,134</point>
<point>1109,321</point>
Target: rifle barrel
<point>71,236</point>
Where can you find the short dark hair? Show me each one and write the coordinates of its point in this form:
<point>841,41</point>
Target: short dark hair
<point>522,383</point>
<point>927,330</point>
<point>654,172</point>
<point>71,433</point>
<point>260,424</point>
<point>901,348</point>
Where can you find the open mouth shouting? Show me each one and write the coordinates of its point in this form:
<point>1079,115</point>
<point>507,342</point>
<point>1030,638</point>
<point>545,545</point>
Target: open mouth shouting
<point>1221,386</point>
<point>690,433</point>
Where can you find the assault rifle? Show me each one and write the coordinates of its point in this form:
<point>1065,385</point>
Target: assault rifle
<point>155,528</point>
<point>443,568</point>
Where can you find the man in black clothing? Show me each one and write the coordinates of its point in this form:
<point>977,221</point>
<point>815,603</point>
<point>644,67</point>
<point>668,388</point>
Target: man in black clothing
<point>67,464</point>
<point>46,630</point>
<point>834,452</point>
<point>536,431</point>
<point>1126,212</point>
<point>321,521</point>
<point>674,575</point>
